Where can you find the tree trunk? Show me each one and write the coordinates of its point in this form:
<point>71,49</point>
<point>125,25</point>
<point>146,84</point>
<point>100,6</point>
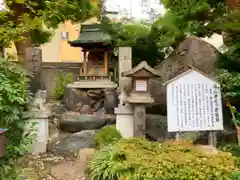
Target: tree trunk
<point>21,47</point>
<point>234,121</point>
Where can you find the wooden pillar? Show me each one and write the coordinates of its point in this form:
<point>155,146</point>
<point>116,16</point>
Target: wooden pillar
<point>106,63</point>
<point>84,63</point>
<point>139,120</point>
<point>212,138</point>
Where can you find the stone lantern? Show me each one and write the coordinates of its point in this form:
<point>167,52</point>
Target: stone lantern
<point>140,96</point>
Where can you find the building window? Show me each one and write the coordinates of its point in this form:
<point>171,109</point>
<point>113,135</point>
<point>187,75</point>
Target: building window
<point>64,35</point>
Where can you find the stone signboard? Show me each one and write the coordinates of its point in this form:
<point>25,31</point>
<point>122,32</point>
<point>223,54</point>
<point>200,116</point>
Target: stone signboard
<point>194,103</point>
<point>124,64</point>
<point>33,65</point>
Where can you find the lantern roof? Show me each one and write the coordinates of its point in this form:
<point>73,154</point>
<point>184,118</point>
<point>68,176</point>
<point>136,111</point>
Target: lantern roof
<point>142,70</point>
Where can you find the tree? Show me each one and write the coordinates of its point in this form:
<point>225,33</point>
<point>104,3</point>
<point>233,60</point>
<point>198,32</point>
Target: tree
<point>187,17</point>
<point>135,35</point>
<point>230,87</point>
<point>200,18</point>
<point>29,23</point>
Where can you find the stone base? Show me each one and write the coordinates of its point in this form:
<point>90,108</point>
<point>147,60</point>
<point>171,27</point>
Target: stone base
<point>88,84</point>
<point>38,147</point>
<point>125,121</point>
<point>38,121</point>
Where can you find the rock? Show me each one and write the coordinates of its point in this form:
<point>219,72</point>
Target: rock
<point>74,122</point>
<point>74,170</point>
<point>85,155</point>
<point>53,130</point>
<point>74,96</point>
<point>68,170</point>
<point>100,112</point>
<point>110,100</point>
<point>156,127</point>
<point>58,109</point>
<point>70,144</point>
<point>78,107</point>
<point>96,94</point>
<point>86,109</point>
<point>98,105</point>
<point>192,51</point>
<point>156,130</point>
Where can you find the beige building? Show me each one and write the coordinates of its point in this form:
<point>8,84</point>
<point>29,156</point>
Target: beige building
<point>58,49</point>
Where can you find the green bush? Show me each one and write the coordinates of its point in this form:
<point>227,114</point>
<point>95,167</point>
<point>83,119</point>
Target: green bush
<point>14,96</point>
<point>62,81</point>
<point>234,149</point>
<point>139,159</point>
<point>107,135</point>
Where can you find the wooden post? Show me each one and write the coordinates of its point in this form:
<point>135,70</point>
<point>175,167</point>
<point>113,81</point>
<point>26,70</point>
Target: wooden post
<point>212,138</point>
<point>139,120</point>
<point>106,62</point>
<point>177,136</point>
<point>84,63</point>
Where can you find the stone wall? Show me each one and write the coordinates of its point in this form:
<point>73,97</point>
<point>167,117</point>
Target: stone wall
<point>51,70</point>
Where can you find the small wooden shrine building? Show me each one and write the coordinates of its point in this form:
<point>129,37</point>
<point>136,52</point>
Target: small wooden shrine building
<point>99,63</point>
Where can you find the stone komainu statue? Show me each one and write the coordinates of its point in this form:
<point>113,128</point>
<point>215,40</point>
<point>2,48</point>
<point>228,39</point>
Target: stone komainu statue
<point>39,100</point>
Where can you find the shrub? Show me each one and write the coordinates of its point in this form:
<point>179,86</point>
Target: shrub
<point>62,81</point>
<point>107,135</point>
<point>139,159</point>
<point>14,96</point>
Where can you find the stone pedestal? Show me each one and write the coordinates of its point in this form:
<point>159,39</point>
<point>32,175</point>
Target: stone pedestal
<point>40,119</point>
<point>125,121</point>
<point>139,120</point>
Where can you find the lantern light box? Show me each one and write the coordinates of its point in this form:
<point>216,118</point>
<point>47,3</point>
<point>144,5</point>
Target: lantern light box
<point>141,85</point>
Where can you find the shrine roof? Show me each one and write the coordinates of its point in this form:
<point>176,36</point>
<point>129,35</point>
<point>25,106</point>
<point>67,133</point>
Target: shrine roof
<point>142,65</point>
<point>191,68</point>
<point>91,34</point>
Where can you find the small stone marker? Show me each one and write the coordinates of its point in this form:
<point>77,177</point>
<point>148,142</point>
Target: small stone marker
<point>194,104</point>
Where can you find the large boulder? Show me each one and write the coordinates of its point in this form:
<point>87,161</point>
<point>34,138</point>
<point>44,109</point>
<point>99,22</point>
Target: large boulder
<point>192,51</point>
<point>73,122</point>
<point>74,99</point>
<point>89,101</point>
<point>70,144</point>
<point>156,130</point>
<point>156,127</point>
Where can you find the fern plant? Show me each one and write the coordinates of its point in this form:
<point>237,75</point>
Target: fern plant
<point>62,81</point>
<point>14,97</point>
